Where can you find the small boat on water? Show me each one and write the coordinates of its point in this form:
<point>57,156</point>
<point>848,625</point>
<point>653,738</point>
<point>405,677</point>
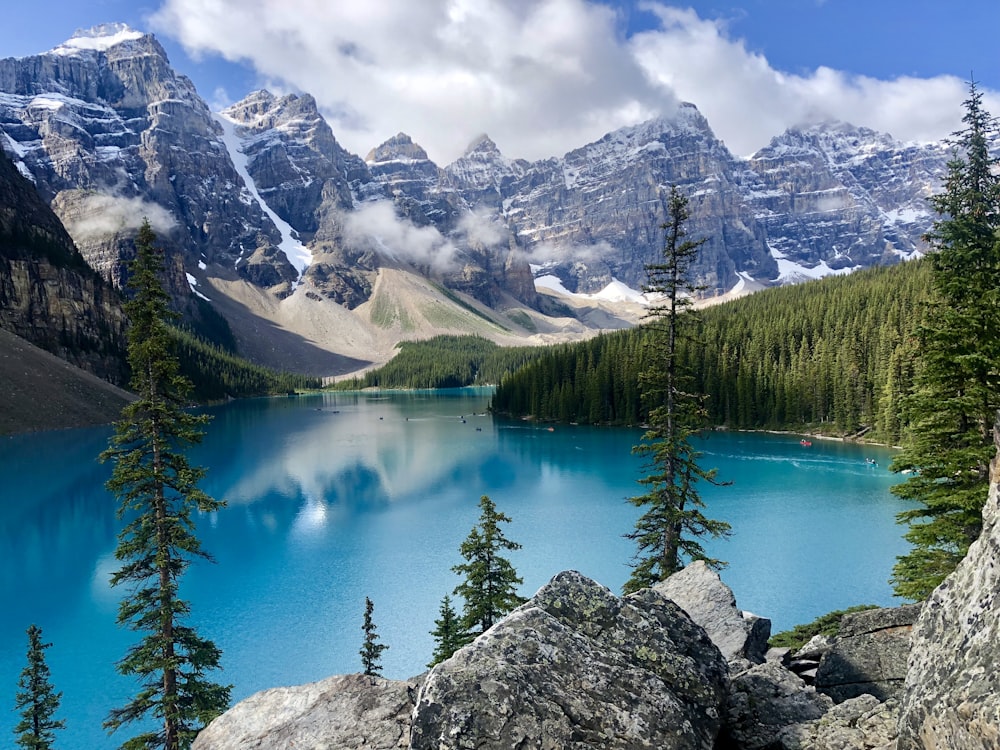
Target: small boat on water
<point>805,443</point>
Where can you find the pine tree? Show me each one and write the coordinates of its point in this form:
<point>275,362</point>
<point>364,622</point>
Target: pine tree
<point>158,493</point>
<point>672,522</point>
<point>371,649</point>
<point>955,398</point>
<point>448,633</point>
<point>490,585</point>
<point>36,700</point>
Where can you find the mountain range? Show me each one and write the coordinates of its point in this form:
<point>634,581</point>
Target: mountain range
<point>322,260</point>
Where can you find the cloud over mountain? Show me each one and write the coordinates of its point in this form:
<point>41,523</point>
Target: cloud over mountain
<point>538,75</point>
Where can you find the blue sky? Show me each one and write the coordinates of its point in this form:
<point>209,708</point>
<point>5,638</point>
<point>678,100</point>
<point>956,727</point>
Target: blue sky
<point>544,76</point>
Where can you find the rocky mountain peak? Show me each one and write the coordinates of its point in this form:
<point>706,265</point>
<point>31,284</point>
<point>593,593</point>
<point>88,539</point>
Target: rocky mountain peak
<point>99,38</point>
<point>262,110</point>
<point>482,144</point>
<point>398,148</point>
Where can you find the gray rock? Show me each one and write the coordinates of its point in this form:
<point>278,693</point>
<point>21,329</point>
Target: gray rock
<point>700,592</point>
<point>346,711</point>
<point>782,656</point>
<point>815,648</point>
<point>577,667</point>
<point>862,723</point>
<point>869,655</point>
<point>951,697</point>
<point>765,700</point>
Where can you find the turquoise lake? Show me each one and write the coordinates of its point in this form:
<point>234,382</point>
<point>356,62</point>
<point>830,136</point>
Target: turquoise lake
<point>335,497</point>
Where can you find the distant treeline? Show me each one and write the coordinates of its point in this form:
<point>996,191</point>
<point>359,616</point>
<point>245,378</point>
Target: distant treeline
<point>833,355</point>
<point>218,374</point>
<point>446,362</point>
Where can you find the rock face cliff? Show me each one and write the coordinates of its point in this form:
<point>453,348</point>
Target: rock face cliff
<point>951,697</point>
<point>49,296</point>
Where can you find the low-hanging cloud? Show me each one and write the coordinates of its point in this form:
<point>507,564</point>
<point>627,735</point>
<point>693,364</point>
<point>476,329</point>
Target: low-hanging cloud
<point>100,215</point>
<point>483,228</point>
<point>540,76</point>
<point>557,252</point>
<point>376,225</point>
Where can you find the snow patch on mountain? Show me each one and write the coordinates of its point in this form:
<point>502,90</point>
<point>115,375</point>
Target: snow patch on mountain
<point>100,38</point>
<point>790,272</point>
<point>298,254</point>
<point>616,291</point>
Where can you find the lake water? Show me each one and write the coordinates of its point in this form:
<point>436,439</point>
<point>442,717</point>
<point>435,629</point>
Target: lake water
<point>335,497</point>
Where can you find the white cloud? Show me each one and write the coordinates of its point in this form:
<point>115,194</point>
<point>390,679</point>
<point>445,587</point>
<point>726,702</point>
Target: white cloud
<point>377,225</point>
<point>483,228</point>
<point>747,102</point>
<point>540,76</point>
<point>100,215</point>
<point>552,252</point>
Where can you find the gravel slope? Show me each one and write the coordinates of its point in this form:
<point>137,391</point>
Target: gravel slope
<point>39,391</point>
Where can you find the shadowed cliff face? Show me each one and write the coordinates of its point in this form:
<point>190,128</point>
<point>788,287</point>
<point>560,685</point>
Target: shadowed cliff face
<point>951,697</point>
<point>49,296</point>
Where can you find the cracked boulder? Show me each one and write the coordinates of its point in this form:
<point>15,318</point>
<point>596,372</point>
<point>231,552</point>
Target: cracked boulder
<point>576,667</point>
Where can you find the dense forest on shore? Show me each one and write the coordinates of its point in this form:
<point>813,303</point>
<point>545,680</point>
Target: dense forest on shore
<point>446,362</point>
<point>833,355</point>
<point>218,374</point>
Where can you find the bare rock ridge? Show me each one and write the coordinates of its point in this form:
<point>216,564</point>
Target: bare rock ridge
<point>577,667</point>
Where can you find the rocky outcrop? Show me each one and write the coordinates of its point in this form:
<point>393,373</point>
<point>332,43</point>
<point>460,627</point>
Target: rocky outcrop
<point>951,697</point>
<point>577,667</point>
<point>805,661</point>
<point>346,711</point>
<point>869,654</point>
<point>862,723</point>
<point>699,591</point>
<point>764,701</point>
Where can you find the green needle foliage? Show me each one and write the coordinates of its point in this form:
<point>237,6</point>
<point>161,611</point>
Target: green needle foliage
<point>448,633</point>
<point>36,699</point>
<point>672,522</point>
<point>371,649</point>
<point>490,585</point>
<point>158,493</point>
<point>956,393</point>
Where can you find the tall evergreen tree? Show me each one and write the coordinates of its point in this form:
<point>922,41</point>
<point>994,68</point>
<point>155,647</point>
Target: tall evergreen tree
<point>957,390</point>
<point>36,700</point>
<point>490,585</point>
<point>673,521</point>
<point>448,632</point>
<point>158,493</point>
<point>371,649</point>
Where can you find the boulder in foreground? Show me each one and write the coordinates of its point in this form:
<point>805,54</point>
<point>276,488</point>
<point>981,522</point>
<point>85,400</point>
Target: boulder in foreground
<point>576,667</point>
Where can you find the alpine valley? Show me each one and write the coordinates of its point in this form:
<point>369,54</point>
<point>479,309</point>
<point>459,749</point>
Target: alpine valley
<point>321,260</point>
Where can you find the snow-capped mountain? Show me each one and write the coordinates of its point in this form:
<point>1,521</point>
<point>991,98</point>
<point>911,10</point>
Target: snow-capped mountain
<point>263,192</point>
<point>109,133</point>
